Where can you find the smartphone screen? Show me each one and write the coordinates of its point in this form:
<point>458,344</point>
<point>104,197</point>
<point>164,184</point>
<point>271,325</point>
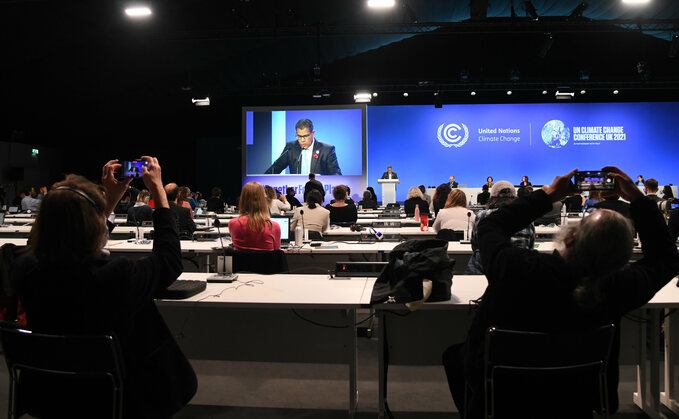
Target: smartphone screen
<point>133,168</point>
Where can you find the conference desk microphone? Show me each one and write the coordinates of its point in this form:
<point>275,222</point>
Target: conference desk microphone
<point>224,262</point>
<point>304,230</point>
<point>467,239</point>
<point>139,239</point>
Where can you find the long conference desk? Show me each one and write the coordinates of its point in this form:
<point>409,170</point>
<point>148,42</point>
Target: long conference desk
<point>414,339</point>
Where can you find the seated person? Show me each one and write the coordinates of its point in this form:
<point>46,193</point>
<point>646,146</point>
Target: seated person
<point>340,211</point>
<point>216,203</point>
<point>316,218</point>
<point>454,215</point>
<point>501,194</point>
<point>184,198</point>
<point>425,196</point>
<point>141,211</point>
<point>438,201</point>
<point>484,196</point>
<point>415,199</point>
<point>31,200</point>
<point>367,202</point>
<point>589,202</point>
<point>67,286</point>
<point>277,202</point>
<point>586,284</point>
<point>124,204</point>
<point>253,229</point>
<point>291,198</point>
<point>185,224</point>
<point>612,201</point>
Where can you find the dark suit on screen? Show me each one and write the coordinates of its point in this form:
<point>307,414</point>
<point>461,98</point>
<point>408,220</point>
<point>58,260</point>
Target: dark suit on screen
<point>323,159</point>
<point>385,175</point>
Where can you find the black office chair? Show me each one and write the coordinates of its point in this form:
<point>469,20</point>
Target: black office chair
<point>258,261</point>
<point>532,370</point>
<point>41,365</point>
<point>450,235</point>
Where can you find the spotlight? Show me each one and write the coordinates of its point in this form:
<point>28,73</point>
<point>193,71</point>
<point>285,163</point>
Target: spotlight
<point>362,97</point>
<point>374,94</point>
<point>583,91</point>
<point>137,12</point>
<point>561,95</point>
<point>201,102</point>
<point>577,12</point>
<point>616,91</point>
<point>381,4</point>
<point>405,94</point>
<point>473,93</point>
<point>436,93</point>
<point>509,92</point>
<point>544,92</point>
<point>530,10</point>
<point>546,45</point>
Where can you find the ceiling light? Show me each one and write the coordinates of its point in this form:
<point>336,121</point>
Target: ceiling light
<point>564,95</point>
<point>473,93</point>
<point>138,11</point>
<point>381,4</point>
<point>436,93</point>
<point>405,94</point>
<point>509,92</point>
<point>201,102</point>
<point>544,92</point>
<point>616,91</point>
<point>362,97</point>
<point>583,91</point>
<point>374,94</point>
<point>636,1</point>
<point>317,95</point>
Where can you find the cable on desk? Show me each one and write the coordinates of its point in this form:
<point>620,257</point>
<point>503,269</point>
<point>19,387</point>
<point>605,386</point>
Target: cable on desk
<point>332,326</point>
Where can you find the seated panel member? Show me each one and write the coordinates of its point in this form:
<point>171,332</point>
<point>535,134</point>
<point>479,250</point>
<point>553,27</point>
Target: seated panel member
<point>389,174</point>
<point>306,155</point>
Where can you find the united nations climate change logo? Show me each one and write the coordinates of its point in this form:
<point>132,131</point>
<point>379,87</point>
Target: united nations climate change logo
<point>453,135</point>
<point>555,134</point>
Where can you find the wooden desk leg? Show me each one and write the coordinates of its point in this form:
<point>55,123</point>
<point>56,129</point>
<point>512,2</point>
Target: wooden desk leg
<point>669,396</point>
<point>352,351</point>
<point>382,379</point>
<point>647,396</point>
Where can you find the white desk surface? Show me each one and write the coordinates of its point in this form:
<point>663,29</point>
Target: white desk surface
<point>283,291</point>
<point>17,228</point>
<point>410,231</point>
<point>212,246</point>
<point>15,241</point>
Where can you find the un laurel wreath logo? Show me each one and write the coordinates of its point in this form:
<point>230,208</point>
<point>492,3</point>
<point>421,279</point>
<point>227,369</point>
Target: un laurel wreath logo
<point>451,135</point>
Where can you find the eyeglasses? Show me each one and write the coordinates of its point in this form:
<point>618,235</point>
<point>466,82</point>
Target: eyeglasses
<point>304,136</point>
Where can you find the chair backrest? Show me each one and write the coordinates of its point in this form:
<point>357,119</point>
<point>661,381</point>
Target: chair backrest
<point>258,261</point>
<point>450,235</point>
<point>85,356</point>
<point>570,365</point>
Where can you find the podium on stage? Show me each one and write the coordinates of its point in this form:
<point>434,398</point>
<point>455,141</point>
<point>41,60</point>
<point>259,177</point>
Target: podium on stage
<point>388,190</point>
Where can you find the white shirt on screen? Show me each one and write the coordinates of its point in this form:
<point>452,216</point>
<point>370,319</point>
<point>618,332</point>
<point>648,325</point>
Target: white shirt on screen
<point>307,154</point>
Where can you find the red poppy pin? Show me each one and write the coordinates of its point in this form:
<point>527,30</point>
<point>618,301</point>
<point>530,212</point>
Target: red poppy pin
<point>316,155</point>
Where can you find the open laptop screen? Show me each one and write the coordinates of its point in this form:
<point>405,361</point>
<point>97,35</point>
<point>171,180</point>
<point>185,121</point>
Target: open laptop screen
<point>284,222</point>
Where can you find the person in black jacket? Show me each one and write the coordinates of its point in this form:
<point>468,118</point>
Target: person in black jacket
<point>415,199</point>
<point>587,284</point>
<point>68,286</point>
<point>141,211</point>
<point>185,223</point>
<point>611,201</point>
<point>290,197</point>
<point>311,185</point>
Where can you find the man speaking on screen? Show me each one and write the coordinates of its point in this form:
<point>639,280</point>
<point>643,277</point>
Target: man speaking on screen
<point>306,155</point>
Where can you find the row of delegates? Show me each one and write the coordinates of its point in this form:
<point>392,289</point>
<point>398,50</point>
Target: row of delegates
<point>316,218</point>
<point>253,229</point>
<point>454,215</point>
<point>67,285</point>
<point>276,202</point>
<point>501,193</point>
<point>415,199</point>
<point>343,209</point>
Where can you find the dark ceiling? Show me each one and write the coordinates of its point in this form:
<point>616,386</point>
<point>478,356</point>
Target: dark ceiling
<point>71,68</point>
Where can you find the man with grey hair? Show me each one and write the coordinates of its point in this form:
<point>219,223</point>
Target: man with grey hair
<point>588,283</point>
<point>306,155</point>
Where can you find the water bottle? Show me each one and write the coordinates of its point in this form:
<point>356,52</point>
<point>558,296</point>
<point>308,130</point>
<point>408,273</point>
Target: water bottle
<point>417,213</point>
<point>299,236</point>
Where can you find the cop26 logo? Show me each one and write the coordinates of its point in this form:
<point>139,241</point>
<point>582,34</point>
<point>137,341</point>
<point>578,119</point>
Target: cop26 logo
<point>453,135</point>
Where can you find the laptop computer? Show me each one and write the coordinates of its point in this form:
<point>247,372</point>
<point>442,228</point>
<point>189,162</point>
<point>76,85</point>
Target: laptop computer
<point>284,222</point>
<point>13,210</point>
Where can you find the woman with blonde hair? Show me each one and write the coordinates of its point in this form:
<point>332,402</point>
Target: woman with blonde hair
<point>275,204</point>
<point>415,199</point>
<point>454,215</point>
<point>253,229</point>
